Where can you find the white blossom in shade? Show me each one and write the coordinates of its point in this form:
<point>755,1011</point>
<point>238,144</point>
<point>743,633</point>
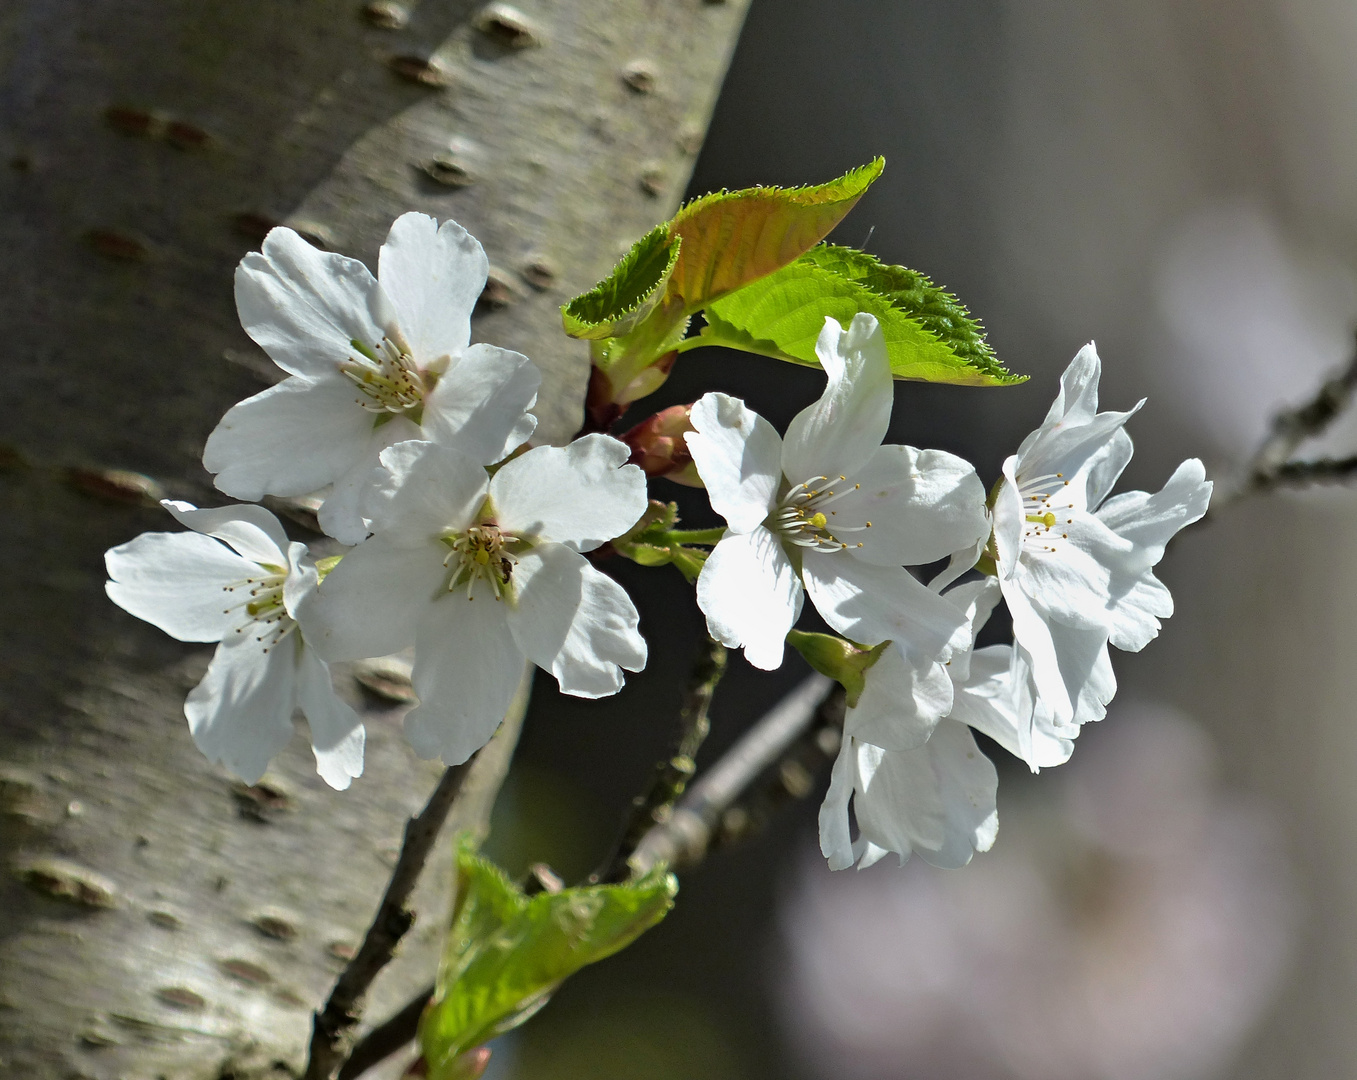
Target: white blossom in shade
<point>237,580</point>
<point>919,784</point>
<point>1134,924</point>
<point>371,362</point>
<point>1077,571</point>
<point>831,510</point>
<point>481,573</point>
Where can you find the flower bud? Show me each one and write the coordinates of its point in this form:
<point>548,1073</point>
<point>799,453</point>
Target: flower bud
<point>657,445</point>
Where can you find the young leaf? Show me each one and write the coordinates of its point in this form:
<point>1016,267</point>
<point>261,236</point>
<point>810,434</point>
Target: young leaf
<point>507,953</point>
<point>929,335</point>
<point>622,300</point>
<point>731,238</point>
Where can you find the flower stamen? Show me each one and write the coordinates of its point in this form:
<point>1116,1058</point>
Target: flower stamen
<point>387,376</point>
<point>482,553</point>
<point>265,614</point>
<point>800,517</point>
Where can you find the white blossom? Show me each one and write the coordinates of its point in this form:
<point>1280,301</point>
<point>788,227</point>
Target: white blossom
<point>832,511</point>
<point>1077,571</point>
<point>372,362</point>
<point>481,572</point>
<point>237,580</point>
<point>917,784</point>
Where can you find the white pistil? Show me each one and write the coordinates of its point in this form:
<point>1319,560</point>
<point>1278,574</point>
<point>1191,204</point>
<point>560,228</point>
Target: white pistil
<point>265,615</point>
<point>800,517</point>
<point>482,553</point>
<point>1040,513</point>
<point>387,376</point>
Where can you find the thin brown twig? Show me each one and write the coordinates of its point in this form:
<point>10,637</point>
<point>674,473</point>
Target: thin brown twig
<point>466,793</point>
<point>672,774</point>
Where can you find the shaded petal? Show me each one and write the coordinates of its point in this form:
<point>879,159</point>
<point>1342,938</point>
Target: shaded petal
<point>1074,570</point>
<point>368,604</point>
<point>337,734</point>
<point>467,669</point>
<point>836,838</point>
<point>1031,632</point>
<point>738,455</point>
<point>582,495</point>
<point>341,514</point>
<point>433,276</point>
<point>251,530</point>
<point>997,701</point>
<point>870,604</point>
<point>923,505</point>
<point>839,433</point>
<point>1007,517</point>
<point>574,621</point>
<point>241,713</point>
<point>901,703</point>
<point>750,595</point>
<point>1086,668</point>
<point>1105,468</point>
<point>1151,521</point>
<point>937,801</point>
<point>303,306</point>
<point>480,405</point>
<point>302,577</point>
<point>1134,617</point>
<point>178,581</point>
<point>422,491</point>
<point>292,439</point>
<point>976,600</point>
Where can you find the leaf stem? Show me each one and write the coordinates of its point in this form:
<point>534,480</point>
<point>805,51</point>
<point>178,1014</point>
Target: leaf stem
<point>709,537</point>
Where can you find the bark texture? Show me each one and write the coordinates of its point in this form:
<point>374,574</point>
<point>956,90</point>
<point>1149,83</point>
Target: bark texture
<point>157,920</point>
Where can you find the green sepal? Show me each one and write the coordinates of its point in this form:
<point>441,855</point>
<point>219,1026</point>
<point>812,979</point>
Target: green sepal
<point>838,659</point>
<point>507,953</point>
<point>624,299</point>
<point>930,336</point>
<point>325,565</point>
<point>649,542</point>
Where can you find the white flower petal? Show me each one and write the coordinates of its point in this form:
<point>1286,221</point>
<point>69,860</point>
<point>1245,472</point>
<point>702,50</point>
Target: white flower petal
<point>574,621</point>
<point>292,439</point>
<point>1086,668</point>
<point>341,514</point>
<point>750,595</point>
<point>582,495</point>
<point>433,276</point>
<point>177,581</point>
<point>976,600</point>
<point>937,801</point>
<point>996,701</point>
<point>337,734</point>
<point>1151,521</point>
<point>367,604</point>
<point>1008,519</point>
<point>738,455</point>
<point>901,703</point>
<point>922,505</point>
<point>480,405</point>
<point>836,838</point>
<point>251,530</point>
<point>1105,467</point>
<point>467,669</point>
<point>1074,571</point>
<point>839,433</point>
<point>241,713</point>
<point>303,306</point>
<point>302,578</point>
<point>422,491</point>
<point>1033,634</point>
<point>870,604</point>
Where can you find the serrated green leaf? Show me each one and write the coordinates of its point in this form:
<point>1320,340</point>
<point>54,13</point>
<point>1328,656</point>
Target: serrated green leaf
<point>623,300</point>
<point>732,238</point>
<point>507,952</point>
<point>929,335</point>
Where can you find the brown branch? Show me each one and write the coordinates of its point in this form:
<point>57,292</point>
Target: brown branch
<point>386,1038</point>
<point>466,793</point>
<point>1305,473</point>
<point>684,838</point>
<point>671,775</point>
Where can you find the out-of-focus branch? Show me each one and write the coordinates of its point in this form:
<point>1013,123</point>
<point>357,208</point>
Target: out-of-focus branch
<point>466,794</point>
<point>1271,466</point>
<point>684,838</point>
<point>672,775</point>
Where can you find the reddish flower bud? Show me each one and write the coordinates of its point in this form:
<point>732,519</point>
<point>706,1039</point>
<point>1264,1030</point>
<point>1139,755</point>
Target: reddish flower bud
<point>657,445</point>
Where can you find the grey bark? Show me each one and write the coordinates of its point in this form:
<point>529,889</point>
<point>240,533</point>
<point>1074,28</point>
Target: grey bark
<point>156,920</point>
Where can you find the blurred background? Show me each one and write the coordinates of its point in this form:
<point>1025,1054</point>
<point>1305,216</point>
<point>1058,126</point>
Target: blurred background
<point>1172,178</point>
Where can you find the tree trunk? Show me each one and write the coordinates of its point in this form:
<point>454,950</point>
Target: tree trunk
<point>157,920</point>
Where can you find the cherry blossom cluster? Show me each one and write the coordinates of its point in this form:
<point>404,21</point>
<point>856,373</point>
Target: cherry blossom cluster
<point>466,543</point>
